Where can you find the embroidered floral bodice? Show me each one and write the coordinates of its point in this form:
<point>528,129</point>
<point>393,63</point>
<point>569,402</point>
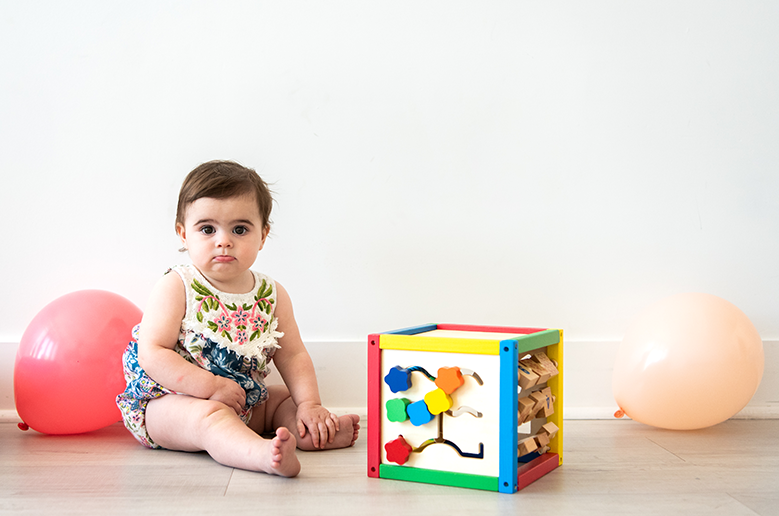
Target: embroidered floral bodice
<point>231,335</point>
<point>244,323</point>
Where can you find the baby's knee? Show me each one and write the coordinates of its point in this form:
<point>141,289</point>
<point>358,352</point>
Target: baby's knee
<point>211,412</point>
<point>277,393</point>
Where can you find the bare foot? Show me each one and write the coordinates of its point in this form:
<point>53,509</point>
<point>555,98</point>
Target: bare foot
<point>348,433</point>
<point>356,426</point>
<point>281,458</point>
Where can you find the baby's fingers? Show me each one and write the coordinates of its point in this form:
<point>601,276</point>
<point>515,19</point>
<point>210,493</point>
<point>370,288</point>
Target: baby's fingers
<point>309,428</point>
<point>324,436</point>
<point>332,428</point>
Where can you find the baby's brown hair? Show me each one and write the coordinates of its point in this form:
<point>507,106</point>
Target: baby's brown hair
<point>222,180</point>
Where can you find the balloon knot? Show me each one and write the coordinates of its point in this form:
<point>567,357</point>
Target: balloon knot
<point>23,427</point>
<point>619,414</point>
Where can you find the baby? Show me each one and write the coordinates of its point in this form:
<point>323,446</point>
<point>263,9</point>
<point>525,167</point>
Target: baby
<point>195,369</point>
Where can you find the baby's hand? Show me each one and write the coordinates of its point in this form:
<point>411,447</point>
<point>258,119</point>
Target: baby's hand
<point>228,392</point>
<point>319,422</point>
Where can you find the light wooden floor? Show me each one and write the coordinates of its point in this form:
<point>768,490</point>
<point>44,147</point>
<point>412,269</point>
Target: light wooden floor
<point>611,467</point>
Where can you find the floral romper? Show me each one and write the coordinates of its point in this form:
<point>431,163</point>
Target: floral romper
<point>230,335</point>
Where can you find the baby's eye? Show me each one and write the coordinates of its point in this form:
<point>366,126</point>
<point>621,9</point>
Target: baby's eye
<point>240,230</point>
<point>207,230</point>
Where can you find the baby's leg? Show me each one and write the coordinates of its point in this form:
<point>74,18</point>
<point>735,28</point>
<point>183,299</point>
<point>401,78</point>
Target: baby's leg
<point>281,411</point>
<point>178,422</point>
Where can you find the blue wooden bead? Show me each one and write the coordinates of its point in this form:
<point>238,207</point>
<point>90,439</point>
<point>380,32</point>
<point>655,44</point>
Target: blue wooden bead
<point>398,379</point>
<point>419,413</point>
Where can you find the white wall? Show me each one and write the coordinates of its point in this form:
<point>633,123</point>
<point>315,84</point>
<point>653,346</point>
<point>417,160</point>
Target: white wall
<point>555,164</point>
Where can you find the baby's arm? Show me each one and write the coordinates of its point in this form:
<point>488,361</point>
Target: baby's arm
<point>296,368</point>
<point>156,342</point>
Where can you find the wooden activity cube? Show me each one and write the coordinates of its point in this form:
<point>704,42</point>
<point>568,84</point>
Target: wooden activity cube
<point>465,406</point>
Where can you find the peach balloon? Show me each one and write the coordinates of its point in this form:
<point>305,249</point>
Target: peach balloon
<point>690,361</point>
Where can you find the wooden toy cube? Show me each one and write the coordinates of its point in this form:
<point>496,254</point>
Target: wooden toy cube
<point>460,386</point>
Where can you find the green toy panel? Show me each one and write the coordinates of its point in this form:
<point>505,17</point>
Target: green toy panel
<point>538,340</point>
<point>443,478</point>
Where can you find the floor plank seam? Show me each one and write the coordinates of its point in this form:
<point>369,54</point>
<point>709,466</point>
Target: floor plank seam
<point>229,480</point>
<point>740,503</point>
<point>666,449</point>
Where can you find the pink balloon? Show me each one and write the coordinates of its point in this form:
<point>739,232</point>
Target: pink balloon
<point>68,369</point>
<point>687,362</point>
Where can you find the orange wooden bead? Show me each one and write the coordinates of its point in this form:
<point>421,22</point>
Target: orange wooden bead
<point>449,379</point>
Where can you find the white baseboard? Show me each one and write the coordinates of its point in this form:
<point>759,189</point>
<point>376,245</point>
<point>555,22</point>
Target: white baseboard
<point>570,413</point>
<point>759,412</point>
<point>9,416</point>
<point>589,412</point>
<point>749,412</point>
<point>342,373</point>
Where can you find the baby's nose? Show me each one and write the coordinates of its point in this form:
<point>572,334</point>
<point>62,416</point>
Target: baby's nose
<point>224,241</point>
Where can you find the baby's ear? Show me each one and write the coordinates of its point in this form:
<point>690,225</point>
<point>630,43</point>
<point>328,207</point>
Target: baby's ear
<point>265,232</point>
<point>181,231</point>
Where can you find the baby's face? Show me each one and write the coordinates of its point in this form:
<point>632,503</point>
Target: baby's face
<point>223,237</point>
